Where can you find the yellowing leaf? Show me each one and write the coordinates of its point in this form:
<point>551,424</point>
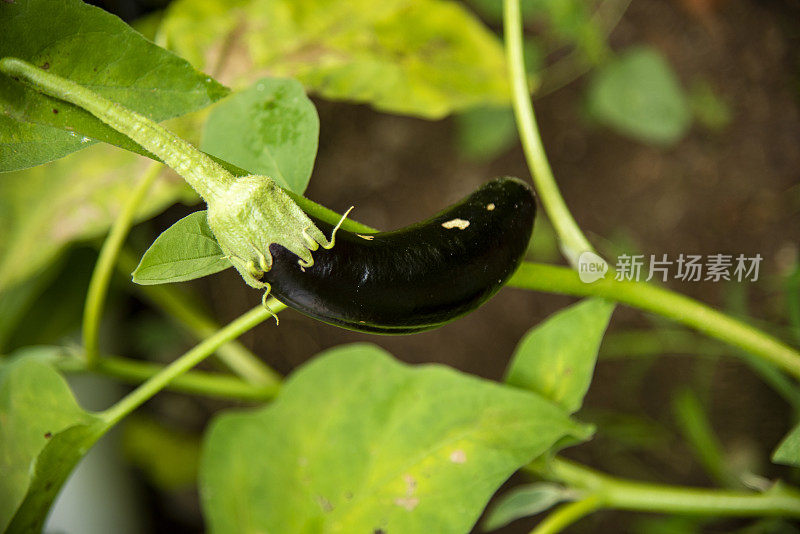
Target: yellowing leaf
<point>417,57</point>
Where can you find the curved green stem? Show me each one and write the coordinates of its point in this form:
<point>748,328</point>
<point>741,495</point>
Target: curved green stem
<point>573,242</point>
<point>101,276</point>
<point>622,494</point>
<point>178,305</point>
<point>692,421</point>
<point>191,358</point>
<point>206,177</point>
<point>567,514</point>
<point>666,303</point>
<point>193,382</point>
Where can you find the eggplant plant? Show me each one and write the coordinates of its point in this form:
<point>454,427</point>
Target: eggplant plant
<point>353,440</point>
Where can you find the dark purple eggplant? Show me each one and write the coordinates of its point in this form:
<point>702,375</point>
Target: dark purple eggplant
<point>416,278</point>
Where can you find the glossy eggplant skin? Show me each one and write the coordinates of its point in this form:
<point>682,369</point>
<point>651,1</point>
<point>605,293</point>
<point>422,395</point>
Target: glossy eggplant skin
<point>416,278</point>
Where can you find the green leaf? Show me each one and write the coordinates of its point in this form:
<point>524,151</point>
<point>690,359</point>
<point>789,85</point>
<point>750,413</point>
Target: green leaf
<point>484,133</point>
<point>45,208</point>
<point>271,129</point>
<point>638,95</point>
<point>358,442</point>
<point>556,358</point>
<point>42,436</point>
<point>97,50</point>
<point>524,501</point>
<point>788,451</point>
<point>570,22</point>
<point>417,57</point>
<point>184,251</point>
<point>40,321</point>
<point>18,300</point>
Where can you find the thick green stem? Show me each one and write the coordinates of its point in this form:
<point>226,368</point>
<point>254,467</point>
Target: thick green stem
<point>622,494</point>
<point>666,303</point>
<point>101,276</point>
<point>180,366</point>
<point>177,305</point>
<point>567,514</point>
<point>208,178</point>
<point>573,242</point>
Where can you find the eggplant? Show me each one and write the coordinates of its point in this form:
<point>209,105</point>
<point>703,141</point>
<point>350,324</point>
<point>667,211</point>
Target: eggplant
<point>416,278</point>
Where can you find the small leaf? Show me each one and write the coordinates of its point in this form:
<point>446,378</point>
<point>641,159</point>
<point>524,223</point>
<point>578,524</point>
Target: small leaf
<point>271,129</point>
<point>95,49</point>
<point>524,501</point>
<point>184,251</point>
<point>638,95</point>
<point>556,358</point>
<point>418,57</point>
<point>358,442</point>
<point>42,436</point>
<point>788,451</point>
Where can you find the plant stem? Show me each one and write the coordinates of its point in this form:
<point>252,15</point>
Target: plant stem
<point>649,342</point>
<point>188,360</point>
<point>101,276</point>
<point>573,242</point>
<point>208,178</point>
<point>666,303</point>
<point>567,514</point>
<point>177,305</point>
<point>194,382</point>
<point>696,428</point>
<point>621,494</point>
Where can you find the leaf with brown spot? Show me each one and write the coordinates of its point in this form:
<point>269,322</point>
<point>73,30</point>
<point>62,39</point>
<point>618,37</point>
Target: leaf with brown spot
<point>95,49</point>
<point>43,434</point>
<point>377,439</point>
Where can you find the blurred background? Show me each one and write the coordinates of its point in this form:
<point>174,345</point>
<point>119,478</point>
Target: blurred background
<point>717,170</point>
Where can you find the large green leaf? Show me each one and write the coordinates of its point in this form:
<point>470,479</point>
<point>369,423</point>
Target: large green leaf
<point>271,128</point>
<point>556,358</point>
<point>358,442</point>
<point>78,197</point>
<point>638,95</point>
<point>418,57</point>
<point>97,50</point>
<point>184,251</point>
<point>42,436</point>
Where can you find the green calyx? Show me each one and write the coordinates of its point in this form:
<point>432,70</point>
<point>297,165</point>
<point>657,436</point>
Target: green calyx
<point>247,214</point>
<point>245,229</point>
